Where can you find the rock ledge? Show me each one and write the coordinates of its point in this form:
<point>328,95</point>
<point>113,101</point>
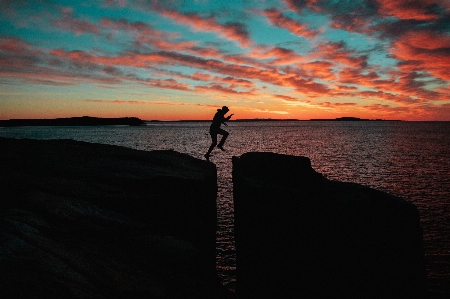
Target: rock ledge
<point>83,220</point>
<point>299,235</point>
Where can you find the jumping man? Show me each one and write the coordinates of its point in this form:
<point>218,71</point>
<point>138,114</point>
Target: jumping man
<point>214,129</point>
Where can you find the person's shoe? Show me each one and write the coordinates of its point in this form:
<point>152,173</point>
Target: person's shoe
<point>221,148</point>
<point>207,157</point>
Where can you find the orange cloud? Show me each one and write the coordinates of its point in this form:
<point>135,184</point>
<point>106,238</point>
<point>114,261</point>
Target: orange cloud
<point>276,18</point>
<point>337,53</point>
<point>286,98</point>
<point>352,23</point>
<point>247,73</point>
<point>120,102</point>
<point>277,55</point>
<point>167,84</point>
<point>232,31</point>
<point>223,89</point>
<point>201,77</point>
<point>298,5</point>
<point>336,105</point>
<point>410,10</point>
<point>423,50</point>
<point>320,69</point>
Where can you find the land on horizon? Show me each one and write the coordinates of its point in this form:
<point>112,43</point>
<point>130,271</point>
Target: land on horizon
<point>135,121</point>
<point>73,121</point>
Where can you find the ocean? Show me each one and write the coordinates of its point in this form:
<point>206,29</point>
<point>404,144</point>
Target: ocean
<point>406,159</point>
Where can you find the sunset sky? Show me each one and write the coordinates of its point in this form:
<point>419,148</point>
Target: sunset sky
<point>173,59</point>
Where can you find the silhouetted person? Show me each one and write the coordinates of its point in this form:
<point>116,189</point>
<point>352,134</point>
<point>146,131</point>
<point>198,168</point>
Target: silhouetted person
<point>214,129</point>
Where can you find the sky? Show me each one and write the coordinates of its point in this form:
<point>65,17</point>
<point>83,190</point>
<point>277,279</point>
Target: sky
<point>182,60</point>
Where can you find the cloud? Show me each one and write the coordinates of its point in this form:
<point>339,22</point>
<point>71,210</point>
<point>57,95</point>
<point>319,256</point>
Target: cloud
<point>336,105</point>
<point>419,10</point>
<point>424,50</point>
<point>276,18</point>
<point>337,52</point>
<point>77,26</point>
<point>223,89</point>
<point>167,84</point>
<point>270,111</point>
<point>276,55</point>
<point>120,102</point>
<point>352,23</point>
<point>233,31</point>
<point>286,98</point>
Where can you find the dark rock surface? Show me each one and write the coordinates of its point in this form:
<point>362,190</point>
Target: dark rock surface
<point>82,220</point>
<point>299,235</point>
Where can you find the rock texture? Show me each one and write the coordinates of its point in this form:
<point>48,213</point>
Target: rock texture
<point>299,235</point>
<point>82,220</point>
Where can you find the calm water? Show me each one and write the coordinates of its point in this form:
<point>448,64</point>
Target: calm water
<point>407,159</point>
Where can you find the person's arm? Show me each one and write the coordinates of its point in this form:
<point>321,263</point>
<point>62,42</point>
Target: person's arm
<point>226,118</point>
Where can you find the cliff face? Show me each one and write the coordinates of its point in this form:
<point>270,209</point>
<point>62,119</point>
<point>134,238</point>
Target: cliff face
<point>81,220</point>
<point>299,235</point>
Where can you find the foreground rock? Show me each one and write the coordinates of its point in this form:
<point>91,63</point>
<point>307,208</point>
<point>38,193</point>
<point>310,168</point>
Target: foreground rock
<point>299,235</point>
<point>81,220</point>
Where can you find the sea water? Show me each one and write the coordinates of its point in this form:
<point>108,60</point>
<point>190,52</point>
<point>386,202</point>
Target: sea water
<point>407,159</point>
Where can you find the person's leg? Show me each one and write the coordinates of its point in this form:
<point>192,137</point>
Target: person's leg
<point>224,137</point>
<point>213,145</point>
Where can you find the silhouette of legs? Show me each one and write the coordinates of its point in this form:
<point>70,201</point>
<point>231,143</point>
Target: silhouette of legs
<point>213,145</point>
<point>222,141</point>
<point>214,141</point>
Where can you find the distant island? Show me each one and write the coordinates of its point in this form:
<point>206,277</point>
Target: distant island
<point>134,121</point>
<point>349,118</point>
<point>74,121</point>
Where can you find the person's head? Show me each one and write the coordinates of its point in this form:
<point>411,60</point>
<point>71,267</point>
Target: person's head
<point>225,109</point>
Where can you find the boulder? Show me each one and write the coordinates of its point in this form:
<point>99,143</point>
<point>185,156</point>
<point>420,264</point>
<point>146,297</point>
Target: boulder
<point>84,220</point>
<point>300,235</point>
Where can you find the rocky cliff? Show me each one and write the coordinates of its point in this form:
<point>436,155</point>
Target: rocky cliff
<point>299,235</point>
<point>82,220</point>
